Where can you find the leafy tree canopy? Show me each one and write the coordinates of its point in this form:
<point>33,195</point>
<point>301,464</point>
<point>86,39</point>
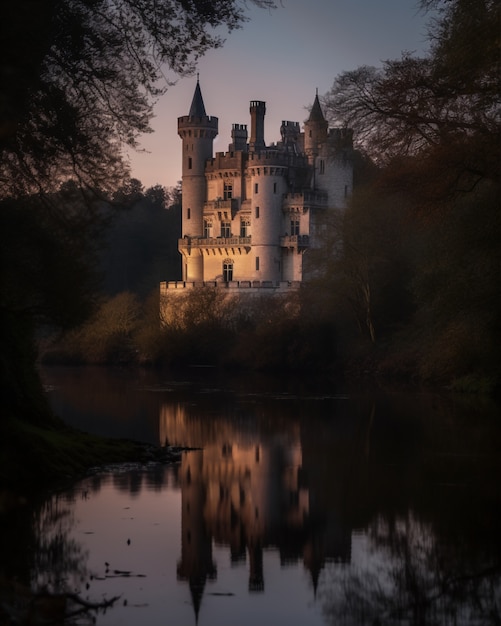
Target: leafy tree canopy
<point>444,107</point>
<point>80,77</point>
<point>79,82</point>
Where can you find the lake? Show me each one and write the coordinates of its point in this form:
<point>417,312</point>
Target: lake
<point>304,503</point>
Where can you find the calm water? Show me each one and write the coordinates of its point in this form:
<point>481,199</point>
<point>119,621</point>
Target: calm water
<point>303,506</point>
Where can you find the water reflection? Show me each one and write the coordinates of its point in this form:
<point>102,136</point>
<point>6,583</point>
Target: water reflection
<point>306,508</point>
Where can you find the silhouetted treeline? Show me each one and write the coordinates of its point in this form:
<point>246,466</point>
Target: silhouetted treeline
<point>140,244</point>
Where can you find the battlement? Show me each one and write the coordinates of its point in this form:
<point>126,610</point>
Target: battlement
<point>342,137</point>
<point>275,157</point>
<point>224,161</point>
<point>233,287</point>
<point>258,104</point>
<point>190,121</point>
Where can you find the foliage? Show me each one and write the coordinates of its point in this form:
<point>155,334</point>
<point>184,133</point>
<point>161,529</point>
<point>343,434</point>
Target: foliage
<point>413,103</point>
<point>47,246</point>
<point>82,78</point>
<point>420,258</point>
<point>200,327</point>
<point>140,247</point>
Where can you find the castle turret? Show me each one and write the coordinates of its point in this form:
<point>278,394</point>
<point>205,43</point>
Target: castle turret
<point>197,130</point>
<point>290,134</point>
<point>257,111</point>
<point>315,131</point>
<point>238,138</point>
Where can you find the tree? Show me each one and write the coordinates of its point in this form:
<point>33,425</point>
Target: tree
<point>433,126</point>
<point>141,242</point>
<point>444,108</point>
<point>80,79</point>
<point>83,75</point>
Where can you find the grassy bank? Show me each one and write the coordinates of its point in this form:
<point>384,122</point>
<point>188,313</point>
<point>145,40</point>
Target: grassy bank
<point>33,456</point>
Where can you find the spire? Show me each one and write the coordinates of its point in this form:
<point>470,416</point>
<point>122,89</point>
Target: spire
<point>197,108</point>
<point>316,114</point>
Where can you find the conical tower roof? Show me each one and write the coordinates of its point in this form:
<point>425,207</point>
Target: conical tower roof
<point>316,114</point>
<point>197,108</point>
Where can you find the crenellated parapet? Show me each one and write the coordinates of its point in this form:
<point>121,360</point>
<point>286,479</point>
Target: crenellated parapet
<point>341,137</point>
<point>226,163</point>
<point>251,287</point>
<point>192,126</point>
<point>273,162</point>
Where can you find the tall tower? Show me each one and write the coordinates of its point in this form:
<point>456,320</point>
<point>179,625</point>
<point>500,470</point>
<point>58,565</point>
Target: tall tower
<point>257,111</point>
<point>197,131</point>
<point>315,131</point>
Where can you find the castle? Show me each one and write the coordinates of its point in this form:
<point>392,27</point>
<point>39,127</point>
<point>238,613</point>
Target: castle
<point>249,215</point>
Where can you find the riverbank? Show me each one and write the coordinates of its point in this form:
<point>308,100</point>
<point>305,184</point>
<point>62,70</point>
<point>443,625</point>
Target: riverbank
<point>35,457</point>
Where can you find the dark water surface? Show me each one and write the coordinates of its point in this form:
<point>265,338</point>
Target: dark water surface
<point>304,505</point>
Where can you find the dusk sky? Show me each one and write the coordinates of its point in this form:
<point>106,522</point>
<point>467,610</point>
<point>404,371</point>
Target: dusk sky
<point>281,57</point>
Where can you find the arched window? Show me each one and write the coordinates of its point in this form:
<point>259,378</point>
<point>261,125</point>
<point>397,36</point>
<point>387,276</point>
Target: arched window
<point>227,270</point>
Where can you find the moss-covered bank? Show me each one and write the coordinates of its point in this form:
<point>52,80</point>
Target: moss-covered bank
<point>32,457</point>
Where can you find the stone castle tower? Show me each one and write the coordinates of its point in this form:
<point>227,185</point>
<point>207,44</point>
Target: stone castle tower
<point>250,214</point>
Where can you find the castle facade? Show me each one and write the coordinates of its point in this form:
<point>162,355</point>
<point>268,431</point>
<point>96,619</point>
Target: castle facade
<point>250,214</point>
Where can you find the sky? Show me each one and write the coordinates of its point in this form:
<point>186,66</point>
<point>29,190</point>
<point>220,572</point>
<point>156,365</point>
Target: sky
<point>281,57</point>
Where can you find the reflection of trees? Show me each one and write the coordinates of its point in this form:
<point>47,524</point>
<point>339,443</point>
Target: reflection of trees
<point>423,480</point>
<point>59,561</point>
<point>412,576</point>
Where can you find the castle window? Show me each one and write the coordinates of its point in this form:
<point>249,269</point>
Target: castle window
<point>257,264</point>
<point>190,163</point>
<point>188,213</point>
<point>256,187</point>
<point>227,270</point>
<point>294,227</point>
<point>257,211</point>
<point>225,229</point>
<point>345,190</point>
<point>207,229</point>
<point>322,166</point>
<point>243,228</point>
<point>228,190</point>
<point>274,187</point>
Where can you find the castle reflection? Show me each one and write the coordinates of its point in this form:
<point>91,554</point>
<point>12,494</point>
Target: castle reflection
<point>252,488</point>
